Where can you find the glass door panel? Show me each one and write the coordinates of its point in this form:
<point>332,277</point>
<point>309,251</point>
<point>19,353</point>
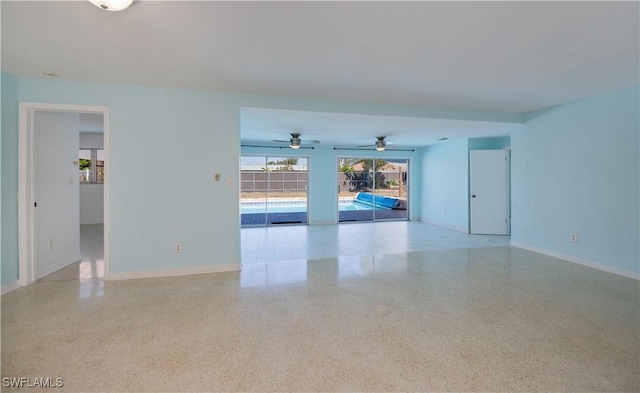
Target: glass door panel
<point>372,189</point>
<point>391,190</point>
<point>253,191</point>
<point>355,186</point>
<point>287,190</point>
<point>273,190</point>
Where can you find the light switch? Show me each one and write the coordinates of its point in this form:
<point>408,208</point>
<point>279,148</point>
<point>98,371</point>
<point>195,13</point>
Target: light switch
<point>230,183</point>
<point>70,181</point>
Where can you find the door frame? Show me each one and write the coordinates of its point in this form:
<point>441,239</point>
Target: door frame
<point>267,183</point>
<point>374,158</point>
<point>507,195</point>
<point>26,178</point>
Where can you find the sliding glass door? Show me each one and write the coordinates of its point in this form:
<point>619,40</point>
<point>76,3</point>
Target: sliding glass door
<point>273,190</point>
<point>372,189</point>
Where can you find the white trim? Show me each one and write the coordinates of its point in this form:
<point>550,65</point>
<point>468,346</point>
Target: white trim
<point>446,225</point>
<point>177,272</point>
<point>25,248</point>
<point>106,140</point>
<point>12,286</point>
<point>580,261</point>
<point>26,223</point>
<point>323,222</point>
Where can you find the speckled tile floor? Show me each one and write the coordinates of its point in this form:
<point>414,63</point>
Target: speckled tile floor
<point>496,319</point>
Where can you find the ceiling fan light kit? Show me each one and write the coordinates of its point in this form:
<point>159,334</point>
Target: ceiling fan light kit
<point>380,144</point>
<point>294,143</point>
<point>111,5</point>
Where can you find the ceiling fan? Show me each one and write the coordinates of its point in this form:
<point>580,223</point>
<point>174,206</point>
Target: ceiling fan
<point>295,141</point>
<point>381,144</point>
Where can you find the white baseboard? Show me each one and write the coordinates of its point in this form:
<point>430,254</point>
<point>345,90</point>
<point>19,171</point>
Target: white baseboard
<point>322,222</point>
<point>176,272</point>
<point>580,261</point>
<point>445,225</point>
<point>12,286</point>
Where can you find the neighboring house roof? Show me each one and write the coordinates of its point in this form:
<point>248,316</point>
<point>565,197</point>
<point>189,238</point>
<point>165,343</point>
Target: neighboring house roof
<point>297,168</point>
<point>386,168</point>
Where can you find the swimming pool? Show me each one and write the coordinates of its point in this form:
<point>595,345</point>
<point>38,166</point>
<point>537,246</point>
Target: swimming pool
<point>294,206</point>
<point>260,208</point>
<point>353,205</point>
<point>274,206</point>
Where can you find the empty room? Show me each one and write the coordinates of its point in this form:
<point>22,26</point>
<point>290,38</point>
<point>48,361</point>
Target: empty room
<point>211,196</point>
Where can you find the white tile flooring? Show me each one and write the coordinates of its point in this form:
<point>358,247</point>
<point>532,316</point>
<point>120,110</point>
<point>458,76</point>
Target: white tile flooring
<point>92,250</point>
<point>287,243</point>
<point>441,311</point>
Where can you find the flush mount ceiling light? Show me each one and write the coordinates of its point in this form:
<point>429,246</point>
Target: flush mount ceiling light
<point>112,5</point>
<point>50,73</point>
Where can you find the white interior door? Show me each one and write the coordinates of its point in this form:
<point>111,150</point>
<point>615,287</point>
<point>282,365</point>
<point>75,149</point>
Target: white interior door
<point>57,198</point>
<point>489,186</point>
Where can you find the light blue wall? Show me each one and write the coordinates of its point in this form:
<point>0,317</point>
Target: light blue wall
<point>445,179</point>
<point>490,143</point>
<point>445,184</point>
<point>9,233</point>
<point>575,169</point>
<point>323,163</point>
<point>167,145</point>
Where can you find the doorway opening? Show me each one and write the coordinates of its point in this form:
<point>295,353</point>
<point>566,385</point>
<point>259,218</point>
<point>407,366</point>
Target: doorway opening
<point>91,177</point>
<point>371,189</point>
<point>49,190</point>
<point>273,190</point>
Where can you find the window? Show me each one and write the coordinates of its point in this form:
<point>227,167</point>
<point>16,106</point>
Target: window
<point>91,165</point>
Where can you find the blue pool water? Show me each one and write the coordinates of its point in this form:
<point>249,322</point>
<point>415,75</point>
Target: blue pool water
<point>272,209</point>
<point>283,207</point>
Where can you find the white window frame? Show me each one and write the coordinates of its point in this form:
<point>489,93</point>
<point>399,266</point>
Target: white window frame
<point>93,178</point>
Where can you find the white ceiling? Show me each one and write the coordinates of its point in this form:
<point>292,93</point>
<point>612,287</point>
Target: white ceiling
<point>502,56</point>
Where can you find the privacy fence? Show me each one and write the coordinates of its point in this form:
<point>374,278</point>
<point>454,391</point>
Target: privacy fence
<point>261,181</point>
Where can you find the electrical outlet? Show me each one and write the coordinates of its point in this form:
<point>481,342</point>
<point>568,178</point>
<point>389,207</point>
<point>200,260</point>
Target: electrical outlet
<point>178,247</point>
<point>574,238</point>
<point>50,245</point>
